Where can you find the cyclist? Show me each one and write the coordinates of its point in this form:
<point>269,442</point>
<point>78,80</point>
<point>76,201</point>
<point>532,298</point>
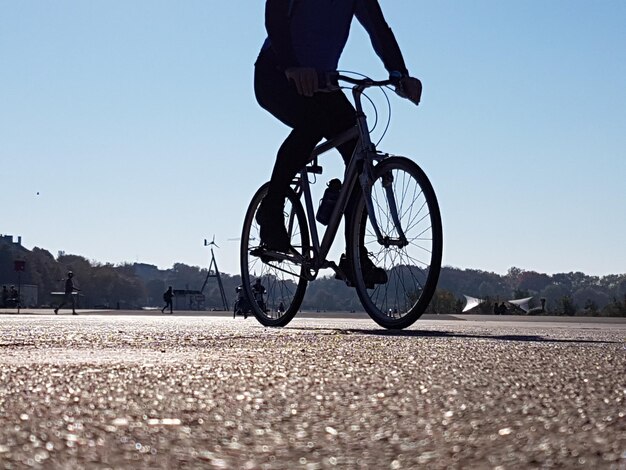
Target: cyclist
<point>305,41</point>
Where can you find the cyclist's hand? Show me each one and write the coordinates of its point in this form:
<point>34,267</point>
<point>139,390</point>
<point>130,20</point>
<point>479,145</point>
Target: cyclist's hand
<point>305,79</point>
<point>412,89</point>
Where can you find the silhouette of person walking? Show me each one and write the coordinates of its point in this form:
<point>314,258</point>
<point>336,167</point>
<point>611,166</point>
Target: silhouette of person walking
<point>69,294</point>
<point>168,295</point>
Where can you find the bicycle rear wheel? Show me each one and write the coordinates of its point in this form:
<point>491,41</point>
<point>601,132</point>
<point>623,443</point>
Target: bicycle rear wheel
<point>411,259</point>
<point>284,281</point>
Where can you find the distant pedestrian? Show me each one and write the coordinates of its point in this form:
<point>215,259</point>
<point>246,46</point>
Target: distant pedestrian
<point>503,309</point>
<point>496,308</point>
<point>69,297</point>
<point>168,295</point>
<point>258,290</point>
<point>5,296</point>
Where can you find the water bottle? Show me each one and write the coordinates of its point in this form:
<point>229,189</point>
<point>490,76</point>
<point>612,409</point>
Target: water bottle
<point>328,202</point>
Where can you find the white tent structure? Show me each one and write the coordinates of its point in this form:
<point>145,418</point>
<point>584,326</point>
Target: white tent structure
<point>471,302</point>
<point>524,304</point>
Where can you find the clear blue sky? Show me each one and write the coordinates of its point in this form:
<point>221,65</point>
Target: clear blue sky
<point>136,123</point>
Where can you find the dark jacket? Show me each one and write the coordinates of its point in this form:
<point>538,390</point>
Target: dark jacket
<point>313,33</point>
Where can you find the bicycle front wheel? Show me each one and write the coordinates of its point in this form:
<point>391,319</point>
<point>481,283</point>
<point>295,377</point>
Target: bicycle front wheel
<point>284,281</point>
<point>407,213</point>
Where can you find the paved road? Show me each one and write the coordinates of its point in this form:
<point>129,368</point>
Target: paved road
<point>130,391</point>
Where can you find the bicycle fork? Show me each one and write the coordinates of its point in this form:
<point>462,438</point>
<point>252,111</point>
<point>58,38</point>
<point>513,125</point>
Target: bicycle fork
<point>367,181</point>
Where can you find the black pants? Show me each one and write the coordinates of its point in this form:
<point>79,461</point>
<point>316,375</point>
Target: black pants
<point>324,115</point>
<point>68,299</point>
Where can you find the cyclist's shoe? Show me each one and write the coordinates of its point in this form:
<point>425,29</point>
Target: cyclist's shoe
<point>272,229</point>
<point>372,274</point>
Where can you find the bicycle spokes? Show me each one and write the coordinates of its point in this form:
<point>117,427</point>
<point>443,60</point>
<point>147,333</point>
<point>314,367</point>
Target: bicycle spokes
<point>403,237</point>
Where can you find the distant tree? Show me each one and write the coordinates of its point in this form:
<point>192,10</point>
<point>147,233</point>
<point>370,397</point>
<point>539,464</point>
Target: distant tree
<point>443,302</point>
<point>568,307</point>
<point>591,308</point>
<point>553,295</point>
<point>182,276</point>
<point>327,293</point>
<point>44,273</point>
<point>532,281</point>
<point>591,295</point>
<point>616,308</point>
<point>472,282</point>
<point>520,294</point>
<point>487,289</point>
<point>154,291</point>
<point>513,277</point>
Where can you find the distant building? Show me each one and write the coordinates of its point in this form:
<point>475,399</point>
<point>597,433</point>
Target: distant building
<point>8,276</point>
<point>185,299</point>
<point>8,240</point>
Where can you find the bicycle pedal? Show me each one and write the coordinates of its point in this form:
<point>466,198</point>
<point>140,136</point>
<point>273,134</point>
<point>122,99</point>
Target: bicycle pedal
<point>340,276</point>
<point>266,255</point>
<point>262,254</point>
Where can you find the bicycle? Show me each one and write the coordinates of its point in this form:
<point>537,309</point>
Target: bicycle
<point>396,222</point>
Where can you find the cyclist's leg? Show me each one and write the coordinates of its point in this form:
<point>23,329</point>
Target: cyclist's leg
<point>276,95</point>
<point>311,118</point>
<point>325,115</point>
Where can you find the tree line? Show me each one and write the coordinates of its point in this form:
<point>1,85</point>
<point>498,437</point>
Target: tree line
<point>133,286</point>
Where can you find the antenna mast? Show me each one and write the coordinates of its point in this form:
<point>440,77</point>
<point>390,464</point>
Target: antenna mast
<point>216,273</point>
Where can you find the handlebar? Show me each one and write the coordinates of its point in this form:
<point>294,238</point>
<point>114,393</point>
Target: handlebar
<point>363,83</point>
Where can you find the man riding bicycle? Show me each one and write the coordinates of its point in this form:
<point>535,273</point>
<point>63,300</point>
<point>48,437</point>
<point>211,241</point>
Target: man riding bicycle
<point>305,41</point>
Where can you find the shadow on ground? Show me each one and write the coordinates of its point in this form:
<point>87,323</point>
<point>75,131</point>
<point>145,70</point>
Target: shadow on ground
<point>447,334</point>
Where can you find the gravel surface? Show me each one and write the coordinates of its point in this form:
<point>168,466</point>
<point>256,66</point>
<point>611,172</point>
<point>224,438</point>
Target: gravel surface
<point>126,391</point>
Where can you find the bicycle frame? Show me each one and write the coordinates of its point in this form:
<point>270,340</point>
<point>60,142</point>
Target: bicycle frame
<point>359,169</point>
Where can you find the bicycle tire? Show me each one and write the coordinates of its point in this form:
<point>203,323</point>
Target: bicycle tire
<point>284,281</point>
<point>412,270</point>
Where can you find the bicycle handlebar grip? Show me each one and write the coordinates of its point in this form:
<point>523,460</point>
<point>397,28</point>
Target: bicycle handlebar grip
<point>399,89</point>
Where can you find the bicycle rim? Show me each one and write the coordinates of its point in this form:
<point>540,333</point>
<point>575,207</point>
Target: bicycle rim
<point>412,270</point>
<point>284,281</point>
